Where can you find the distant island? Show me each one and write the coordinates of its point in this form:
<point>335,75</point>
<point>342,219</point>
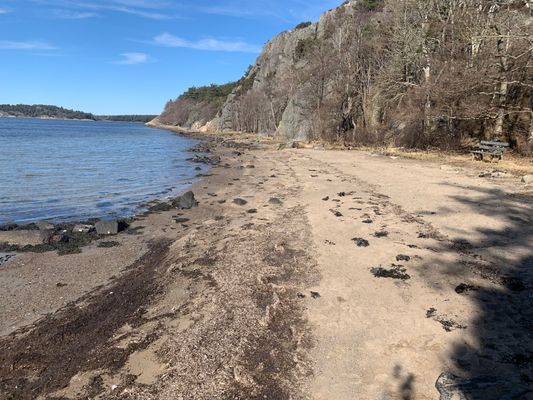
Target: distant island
<point>54,112</point>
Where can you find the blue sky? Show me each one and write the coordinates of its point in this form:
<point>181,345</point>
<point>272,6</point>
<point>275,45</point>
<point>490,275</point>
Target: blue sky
<point>131,56</point>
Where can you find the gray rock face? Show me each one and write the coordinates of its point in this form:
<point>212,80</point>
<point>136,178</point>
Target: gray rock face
<point>186,201</point>
<point>107,227</point>
<point>277,80</point>
<point>279,93</point>
<point>295,123</point>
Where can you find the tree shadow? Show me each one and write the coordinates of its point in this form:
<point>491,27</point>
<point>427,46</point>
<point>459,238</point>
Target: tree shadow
<point>497,361</point>
<point>403,384</point>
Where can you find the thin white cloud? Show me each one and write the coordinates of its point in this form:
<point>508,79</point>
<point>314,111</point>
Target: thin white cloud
<point>69,14</point>
<point>4,11</point>
<point>168,40</point>
<point>133,59</point>
<point>139,13</point>
<point>157,10</point>
<point>24,45</point>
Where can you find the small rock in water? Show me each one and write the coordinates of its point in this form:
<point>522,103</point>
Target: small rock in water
<point>361,242</point>
<point>185,201</point>
<point>240,202</point>
<point>107,227</point>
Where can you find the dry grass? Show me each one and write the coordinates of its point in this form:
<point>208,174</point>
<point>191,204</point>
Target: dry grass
<point>511,163</point>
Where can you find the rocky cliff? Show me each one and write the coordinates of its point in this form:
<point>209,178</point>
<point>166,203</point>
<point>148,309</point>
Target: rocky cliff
<point>382,71</point>
<point>271,97</point>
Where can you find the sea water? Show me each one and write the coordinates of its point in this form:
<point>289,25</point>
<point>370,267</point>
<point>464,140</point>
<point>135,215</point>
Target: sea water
<point>75,170</point>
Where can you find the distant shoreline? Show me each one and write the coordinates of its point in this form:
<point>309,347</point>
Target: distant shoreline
<point>45,111</point>
<point>47,118</point>
<point>98,119</point>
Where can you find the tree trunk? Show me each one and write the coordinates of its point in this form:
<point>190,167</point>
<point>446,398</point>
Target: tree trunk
<point>529,140</point>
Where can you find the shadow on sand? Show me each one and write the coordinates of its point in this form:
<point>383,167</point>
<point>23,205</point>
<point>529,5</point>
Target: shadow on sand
<point>496,362</point>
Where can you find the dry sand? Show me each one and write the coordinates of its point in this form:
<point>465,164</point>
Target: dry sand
<point>274,299</point>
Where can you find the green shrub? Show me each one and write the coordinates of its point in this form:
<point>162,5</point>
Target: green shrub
<point>303,25</point>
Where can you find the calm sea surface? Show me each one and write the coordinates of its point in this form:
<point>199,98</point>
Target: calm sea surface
<point>74,170</point>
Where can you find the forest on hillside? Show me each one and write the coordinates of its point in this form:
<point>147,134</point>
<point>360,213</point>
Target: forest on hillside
<point>127,118</point>
<point>414,73</point>
<point>197,105</point>
<point>48,111</point>
<point>42,111</point>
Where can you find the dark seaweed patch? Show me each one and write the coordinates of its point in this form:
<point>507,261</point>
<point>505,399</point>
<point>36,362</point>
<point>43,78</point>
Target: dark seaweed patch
<point>396,272</point>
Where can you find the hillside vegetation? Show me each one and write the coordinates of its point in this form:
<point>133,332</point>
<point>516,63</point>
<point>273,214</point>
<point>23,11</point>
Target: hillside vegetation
<point>127,118</point>
<point>198,105</point>
<point>48,111</point>
<point>414,73</point>
<point>42,111</point>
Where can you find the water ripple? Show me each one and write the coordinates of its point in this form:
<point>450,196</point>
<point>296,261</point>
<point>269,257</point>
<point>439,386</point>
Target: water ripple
<point>67,170</point>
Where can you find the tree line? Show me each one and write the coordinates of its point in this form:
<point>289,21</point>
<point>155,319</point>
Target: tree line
<point>48,111</point>
<point>41,110</point>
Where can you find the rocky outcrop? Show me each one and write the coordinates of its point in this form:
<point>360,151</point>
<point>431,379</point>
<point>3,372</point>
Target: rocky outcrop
<point>274,81</point>
<point>371,72</point>
<point>271,91</point>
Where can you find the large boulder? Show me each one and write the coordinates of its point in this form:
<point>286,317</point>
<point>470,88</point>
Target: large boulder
<point>107,227</point>
<point>185,201</point>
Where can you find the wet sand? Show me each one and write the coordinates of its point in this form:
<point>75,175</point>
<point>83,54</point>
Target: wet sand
<point>303,274</point>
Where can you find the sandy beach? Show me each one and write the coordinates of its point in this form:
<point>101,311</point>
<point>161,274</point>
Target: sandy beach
<point>302,274</point>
